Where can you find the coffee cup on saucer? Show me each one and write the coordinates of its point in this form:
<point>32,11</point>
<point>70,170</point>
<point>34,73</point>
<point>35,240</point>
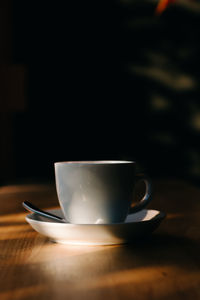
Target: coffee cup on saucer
<point>98,192</point>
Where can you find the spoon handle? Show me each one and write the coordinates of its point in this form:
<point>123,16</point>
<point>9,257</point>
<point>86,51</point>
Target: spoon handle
<point>30,207</point>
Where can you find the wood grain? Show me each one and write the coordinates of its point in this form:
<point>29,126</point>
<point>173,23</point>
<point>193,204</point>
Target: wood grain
<point>164,266</point>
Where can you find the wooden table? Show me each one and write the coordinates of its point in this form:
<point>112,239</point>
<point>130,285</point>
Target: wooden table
<point>165,266</point>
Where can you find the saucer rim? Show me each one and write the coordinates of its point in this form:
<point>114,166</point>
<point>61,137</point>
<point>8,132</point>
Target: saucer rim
<point>161,215</point>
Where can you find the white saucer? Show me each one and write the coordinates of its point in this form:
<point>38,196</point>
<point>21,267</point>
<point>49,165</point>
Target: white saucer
<point>136,226</point>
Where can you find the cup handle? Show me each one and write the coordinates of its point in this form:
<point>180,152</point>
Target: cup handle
<point>147,197</point>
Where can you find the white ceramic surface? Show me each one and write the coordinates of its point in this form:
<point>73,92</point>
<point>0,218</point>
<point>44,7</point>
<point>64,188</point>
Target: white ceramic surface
<point>135,226</point>
<point>97,192</point>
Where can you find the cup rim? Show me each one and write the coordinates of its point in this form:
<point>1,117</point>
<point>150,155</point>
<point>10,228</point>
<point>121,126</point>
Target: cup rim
<point>96,162</point>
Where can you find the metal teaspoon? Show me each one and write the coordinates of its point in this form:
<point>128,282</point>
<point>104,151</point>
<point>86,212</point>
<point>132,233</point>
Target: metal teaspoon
<point>30,207</point>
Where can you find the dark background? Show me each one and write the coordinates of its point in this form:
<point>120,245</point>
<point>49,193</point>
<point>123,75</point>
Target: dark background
<point>99,80</point>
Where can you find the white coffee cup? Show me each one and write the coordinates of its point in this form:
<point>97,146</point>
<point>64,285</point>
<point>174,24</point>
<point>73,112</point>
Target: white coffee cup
<point>98,192</point>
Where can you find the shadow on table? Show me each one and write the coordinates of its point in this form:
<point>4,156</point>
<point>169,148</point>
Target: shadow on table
<point>146,260</point>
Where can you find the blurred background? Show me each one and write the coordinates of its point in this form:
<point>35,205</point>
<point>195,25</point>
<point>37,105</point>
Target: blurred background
<point>99,80</point>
